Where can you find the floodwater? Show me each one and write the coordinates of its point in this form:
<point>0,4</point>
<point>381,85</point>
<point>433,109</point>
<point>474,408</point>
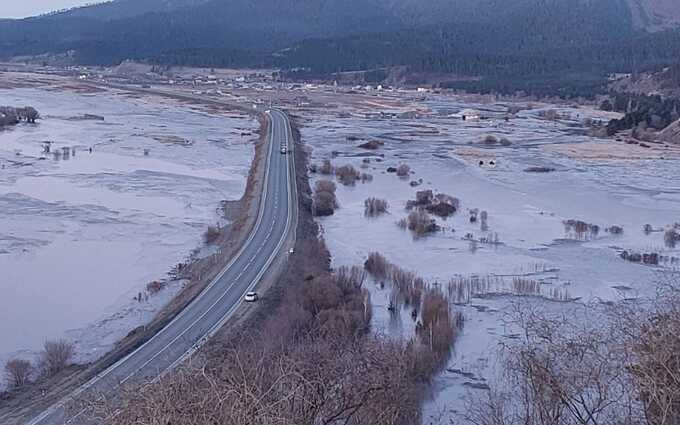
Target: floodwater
<point>526,211</point>
<point>113,205</point>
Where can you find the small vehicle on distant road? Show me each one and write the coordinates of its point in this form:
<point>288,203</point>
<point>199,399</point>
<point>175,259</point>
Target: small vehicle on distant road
<point>284,150</point>
<point>251,297</point>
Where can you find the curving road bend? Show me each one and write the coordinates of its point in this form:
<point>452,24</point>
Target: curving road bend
<point>217,303</point>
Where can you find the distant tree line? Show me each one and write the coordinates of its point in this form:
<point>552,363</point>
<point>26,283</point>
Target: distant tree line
<point>652,112</point>
<point>566,48</point>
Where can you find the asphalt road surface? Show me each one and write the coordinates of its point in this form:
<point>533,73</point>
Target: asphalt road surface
<point>215,305</point>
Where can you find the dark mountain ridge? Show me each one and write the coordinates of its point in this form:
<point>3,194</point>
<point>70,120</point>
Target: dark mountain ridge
<point>497,41</point>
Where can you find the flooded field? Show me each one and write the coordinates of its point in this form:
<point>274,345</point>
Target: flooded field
<point>104,195</point>
<point>561,210</point>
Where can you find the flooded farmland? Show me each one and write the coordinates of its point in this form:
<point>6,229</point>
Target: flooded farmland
<point>104,195</point>
<point>569,218</point>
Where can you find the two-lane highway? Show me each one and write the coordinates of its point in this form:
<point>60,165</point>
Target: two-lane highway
<point>217,303</point>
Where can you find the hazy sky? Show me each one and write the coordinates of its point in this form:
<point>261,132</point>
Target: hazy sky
<point>23,8</point>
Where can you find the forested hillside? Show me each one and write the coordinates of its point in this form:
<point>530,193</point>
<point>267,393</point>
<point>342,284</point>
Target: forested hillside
<point>547,46</point>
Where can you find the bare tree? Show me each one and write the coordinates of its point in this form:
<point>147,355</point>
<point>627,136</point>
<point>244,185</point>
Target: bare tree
<point>18,372</point>
<point>56,356</point>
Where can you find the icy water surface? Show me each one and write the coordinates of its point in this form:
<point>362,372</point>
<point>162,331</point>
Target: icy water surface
<point>113,205</point>
<point>526,211</point>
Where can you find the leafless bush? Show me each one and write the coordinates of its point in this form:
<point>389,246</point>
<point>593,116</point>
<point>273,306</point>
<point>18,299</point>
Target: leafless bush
<point>56,356</point>
<point>448,199</point>
<point>441,209</point>
<point>648,258</point>
<point>350,278</point>
<point>8,116</point>
<point>12,116</point>
<point>403,170</point>
<point>671,237</point>
<point>377,265</point>
<point>18,372</point>
<point>325,186</point>
<point>561,372</point>
<point>347,175</point>
<point>154,287</point>
<point>374,207</point>
<point>324,201</point>
<point>580,230</point>
<point>326,168</point>
<point>420,223</point>
<point>618,369</point>
<point>424,197</point>
<point>402,279</point>
<point>654,343</point>
<point>441,205</point>
<point>320,382</point>
<point>29,114</point>
<point>615,230</point>
<point>212,234</point>
<point>410,287</point>
<point>439,324</point>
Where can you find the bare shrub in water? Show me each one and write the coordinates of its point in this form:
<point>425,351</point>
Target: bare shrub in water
<point>374,207</point>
